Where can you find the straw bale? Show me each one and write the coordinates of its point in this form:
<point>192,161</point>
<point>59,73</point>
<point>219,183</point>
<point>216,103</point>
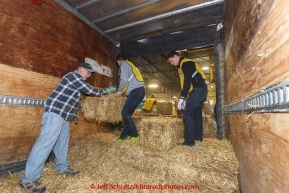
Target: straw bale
<point>106,108</point>
<point>207,109</point>
<point>160,133</point>
<point>211,166</point>
<point>165,108</point>
<point>208,127</point>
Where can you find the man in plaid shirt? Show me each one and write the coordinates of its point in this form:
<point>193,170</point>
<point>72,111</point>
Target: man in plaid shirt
<point>60,107</point>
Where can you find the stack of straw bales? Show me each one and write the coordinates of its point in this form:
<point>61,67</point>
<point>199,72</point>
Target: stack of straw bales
<point>165,108</point>
<point>210,166</point>
<point>106,108</point>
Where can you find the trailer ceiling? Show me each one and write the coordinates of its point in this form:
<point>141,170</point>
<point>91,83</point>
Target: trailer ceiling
<point>146,30</point>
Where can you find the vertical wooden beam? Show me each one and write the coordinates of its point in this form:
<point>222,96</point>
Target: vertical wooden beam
<point>220,86</point>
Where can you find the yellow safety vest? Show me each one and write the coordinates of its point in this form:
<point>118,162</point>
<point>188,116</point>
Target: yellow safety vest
<point>148,105</point>
<point>135,72</point>
<point>181,74</point>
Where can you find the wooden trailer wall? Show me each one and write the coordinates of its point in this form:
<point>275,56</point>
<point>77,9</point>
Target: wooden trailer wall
<point>38,45</point>
<point>256,57</point>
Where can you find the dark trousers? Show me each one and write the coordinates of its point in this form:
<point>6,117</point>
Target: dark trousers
<point>134,98</point>
<point>193,116</point>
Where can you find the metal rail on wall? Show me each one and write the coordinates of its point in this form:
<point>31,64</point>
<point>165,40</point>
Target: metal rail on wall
<point>272,99</point>
<point>21,101</point>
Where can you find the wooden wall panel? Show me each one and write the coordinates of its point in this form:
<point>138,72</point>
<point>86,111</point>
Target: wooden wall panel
<point>243,18</point>
<point>264,62</point>
<point>256,58</point>
<point>50,40</point>
<point>261,143</point>
<point>20,82</point>
<point>18,131</point>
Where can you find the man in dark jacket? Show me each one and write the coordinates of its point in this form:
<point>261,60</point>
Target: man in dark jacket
<point>194,90</point>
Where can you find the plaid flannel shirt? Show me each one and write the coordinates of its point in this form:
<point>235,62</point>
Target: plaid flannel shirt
<point>66,97</point>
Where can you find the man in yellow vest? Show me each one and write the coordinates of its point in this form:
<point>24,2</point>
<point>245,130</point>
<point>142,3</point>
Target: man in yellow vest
<point>131,84</point>
<point>194,90</point>
<point>149,104</point>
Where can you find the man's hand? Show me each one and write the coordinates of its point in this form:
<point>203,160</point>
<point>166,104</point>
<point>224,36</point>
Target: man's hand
<point>98,94</point>
<point>106,90</point>
<point>184,105</point>
<point>101,93</point>
<point>180,104</point>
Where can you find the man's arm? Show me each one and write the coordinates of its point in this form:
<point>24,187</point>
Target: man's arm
<point>125,69</point>
<point>83,86</point>
<point>188,69</point>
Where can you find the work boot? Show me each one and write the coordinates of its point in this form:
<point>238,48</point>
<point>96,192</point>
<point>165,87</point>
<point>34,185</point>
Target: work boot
<point>70,172</point>
<point>33,187</point>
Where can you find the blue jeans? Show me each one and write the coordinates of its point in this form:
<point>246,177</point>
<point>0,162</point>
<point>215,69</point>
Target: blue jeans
<point>54,135</point>
<point>193,116</point>
<point>132,101</point>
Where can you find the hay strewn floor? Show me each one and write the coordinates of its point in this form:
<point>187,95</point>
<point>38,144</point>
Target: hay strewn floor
<point>210,166</point>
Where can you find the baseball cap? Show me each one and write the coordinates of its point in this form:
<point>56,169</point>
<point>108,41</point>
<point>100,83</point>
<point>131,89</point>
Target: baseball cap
<point>86,66</point>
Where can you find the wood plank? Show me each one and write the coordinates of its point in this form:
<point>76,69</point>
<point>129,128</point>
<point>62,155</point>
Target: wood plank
<point>20,82</point>
<point>265,61</point>
<point>256,59</point>
<point>243,18</point>
<point>19,129</point>
<point>50,40</point>
<point>262,151</point>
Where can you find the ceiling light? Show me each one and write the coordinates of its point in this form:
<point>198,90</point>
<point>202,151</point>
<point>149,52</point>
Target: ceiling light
<point>205,68</point>
<point>177,32</point>
<point>153,85</point>
<point>142,40</point>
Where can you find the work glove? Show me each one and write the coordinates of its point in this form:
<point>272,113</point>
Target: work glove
<point>181,104</point>
<point>109,90</point>
<point>99,94</point>
<point>106,90</point>
<point>112,89</point>
<point>184,105</point>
